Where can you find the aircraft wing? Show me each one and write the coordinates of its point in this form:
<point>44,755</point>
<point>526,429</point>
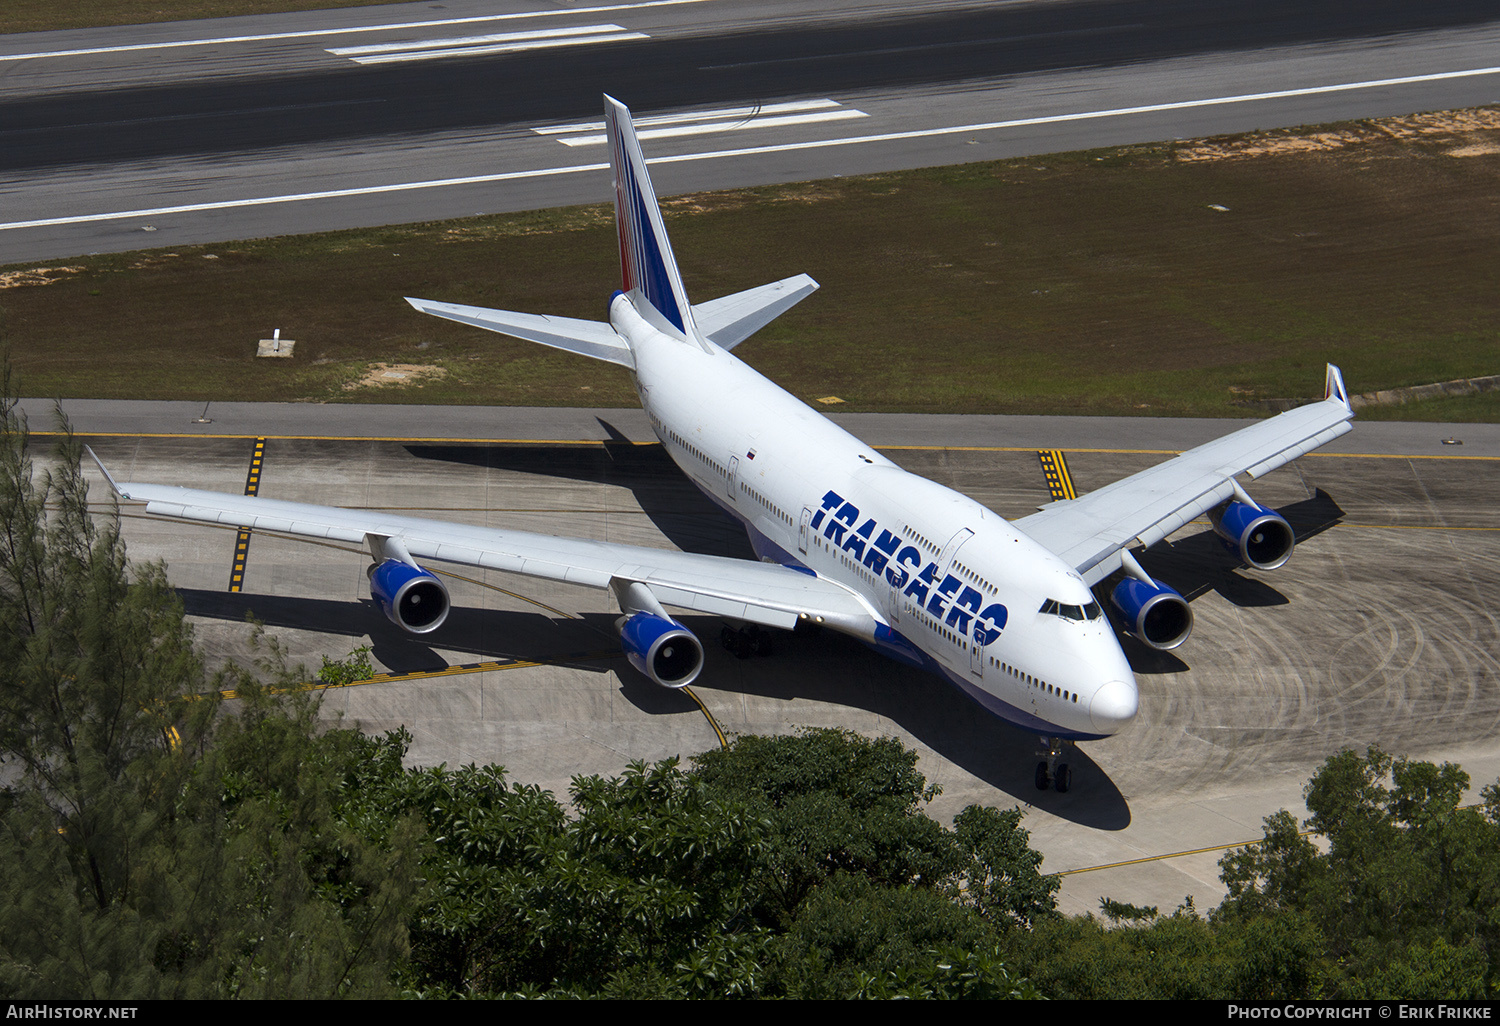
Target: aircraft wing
<point>738,589</point>
<point>1091,531</point>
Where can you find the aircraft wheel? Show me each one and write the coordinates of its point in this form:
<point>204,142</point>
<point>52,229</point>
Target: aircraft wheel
<point>1064,779</point>
<point>1041,776</point>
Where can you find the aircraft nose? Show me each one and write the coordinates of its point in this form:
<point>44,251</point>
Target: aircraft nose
<point>1114,706</point>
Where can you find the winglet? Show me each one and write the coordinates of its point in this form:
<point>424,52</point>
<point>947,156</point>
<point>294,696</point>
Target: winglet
<point>100,464</point>
<point>1333,386</point>
<point>648,270</point>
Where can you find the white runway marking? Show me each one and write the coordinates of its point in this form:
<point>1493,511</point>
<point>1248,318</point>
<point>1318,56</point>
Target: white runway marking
<point>346,30</point>
<point>478,46</point>
<point>749,110</point>
<point>746,151</point>
<point>731,119</point>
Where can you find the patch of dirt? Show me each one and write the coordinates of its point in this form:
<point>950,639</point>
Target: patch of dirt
<point>1475,150</point>
<point>705,202</point>
<point>35,276</point>
<point>1474,132</point>
<point>152,261</point>
<point>734,199</point>
<point>553,223</point>
<point>812,192</point>
<point>379,375</point>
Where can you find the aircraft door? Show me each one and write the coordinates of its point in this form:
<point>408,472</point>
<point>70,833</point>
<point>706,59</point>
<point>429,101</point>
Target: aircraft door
<point>946,560</point>
<point>734,478</point>
<point>802,530</point>
<point>950,551</point>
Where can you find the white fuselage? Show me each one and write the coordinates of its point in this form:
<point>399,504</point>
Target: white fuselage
<point>986,606</point>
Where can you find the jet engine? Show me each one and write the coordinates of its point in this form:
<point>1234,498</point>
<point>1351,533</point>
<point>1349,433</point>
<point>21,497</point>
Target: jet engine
<point>411,597</point>
<point>1154,612</point>
<point>661,648</point>
<point>1261,537</point>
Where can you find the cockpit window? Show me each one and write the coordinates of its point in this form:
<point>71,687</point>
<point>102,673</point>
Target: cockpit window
<point>1076,613</point>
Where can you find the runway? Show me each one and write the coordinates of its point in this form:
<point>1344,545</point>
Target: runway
<point>201,132</point>
<point>1381,630</point>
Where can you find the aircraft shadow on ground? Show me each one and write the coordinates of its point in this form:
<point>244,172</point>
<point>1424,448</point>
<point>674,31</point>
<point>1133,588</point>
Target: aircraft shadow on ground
<point>484,633</point>
<point>833,668</point>
<point>931,710</point>
<point>1202,563</point>
<point>668,499</point>
<point>927,707</point>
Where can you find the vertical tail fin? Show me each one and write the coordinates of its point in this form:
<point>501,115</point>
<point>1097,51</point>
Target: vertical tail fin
<point>648,270</point>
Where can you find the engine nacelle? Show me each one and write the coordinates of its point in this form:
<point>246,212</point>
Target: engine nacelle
<point>412,598</point>
<point>1154,612</point>
<point>1261,537</point>
<point>661,648</point>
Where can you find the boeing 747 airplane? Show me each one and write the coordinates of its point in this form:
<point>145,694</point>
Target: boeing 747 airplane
<point>846,539</point>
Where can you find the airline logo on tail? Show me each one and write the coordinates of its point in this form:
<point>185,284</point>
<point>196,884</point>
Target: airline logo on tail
<point>647,266</point>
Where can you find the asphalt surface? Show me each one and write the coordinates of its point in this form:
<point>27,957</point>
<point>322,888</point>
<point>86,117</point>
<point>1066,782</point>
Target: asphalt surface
<point>206,131</point>
<point>260,100</point>
<point>1381,630</point>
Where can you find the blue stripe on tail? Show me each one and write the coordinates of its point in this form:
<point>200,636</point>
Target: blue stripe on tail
<point>646,260</point>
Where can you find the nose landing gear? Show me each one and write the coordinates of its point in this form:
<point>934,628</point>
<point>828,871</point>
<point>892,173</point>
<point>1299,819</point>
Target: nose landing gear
<point>1052,773</point>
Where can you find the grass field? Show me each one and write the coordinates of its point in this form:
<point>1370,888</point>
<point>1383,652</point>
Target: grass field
<point>43,15</point>
<point>1180,279</point>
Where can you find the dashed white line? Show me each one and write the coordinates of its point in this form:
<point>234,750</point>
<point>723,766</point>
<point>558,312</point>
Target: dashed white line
<point>751,150</point>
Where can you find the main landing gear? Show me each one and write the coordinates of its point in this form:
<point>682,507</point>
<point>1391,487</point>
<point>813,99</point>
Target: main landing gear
<point>1050,772</point>
<point>749,640</point>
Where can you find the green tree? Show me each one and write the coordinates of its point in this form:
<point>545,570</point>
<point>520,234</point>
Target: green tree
<point>641,893</point>
<point>1434,973</point>
<point>1280,873</point>
<point>159,847</point>
<point>1004,881</point>
<point>854,937</point>
<point>835,802</point>
<point>657,885</point>
<point>1409,879</point>
<point>91,668</point>
<point>311,894</point>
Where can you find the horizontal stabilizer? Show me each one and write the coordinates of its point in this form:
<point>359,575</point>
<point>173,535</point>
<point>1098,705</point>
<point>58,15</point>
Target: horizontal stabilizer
<point>728,321</point>
<point>587,338</point>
